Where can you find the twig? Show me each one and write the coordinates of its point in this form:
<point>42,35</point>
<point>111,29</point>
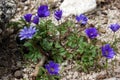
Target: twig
<point>41,62</point>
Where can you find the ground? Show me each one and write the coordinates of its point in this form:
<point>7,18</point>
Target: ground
<point>12,63</point>
<point>10,57</point>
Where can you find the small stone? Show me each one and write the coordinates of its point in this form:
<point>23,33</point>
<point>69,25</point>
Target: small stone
<point>5,78</point>
<point>105,21</point>
<point>117,76</point>
<point>64,79</point>
<point>19,64</point>
<point>18,9</point>
<point>69,77</point>
<point>77,7</point>
<point>50,1</point>
<point>98,43</point>
<point>75,75</point>
<point>117,71</point>
<point>113,78</point>
<point>100,77</point>
<point>102,30</point>
<point>18,74</point>
<point>70,73</point>
<point>101,1</point>
<point>26,8</point>
<point>25,76</point>
<point>0,31</point>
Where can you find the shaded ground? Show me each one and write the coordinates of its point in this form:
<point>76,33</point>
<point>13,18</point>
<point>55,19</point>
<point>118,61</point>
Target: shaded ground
<point>9,56</point>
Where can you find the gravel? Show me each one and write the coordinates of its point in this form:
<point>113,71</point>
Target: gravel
<point>102,17</point>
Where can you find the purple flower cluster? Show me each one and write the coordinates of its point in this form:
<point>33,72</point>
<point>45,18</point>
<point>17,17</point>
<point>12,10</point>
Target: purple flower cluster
<point>82,19</point>
<point>52,68</point>
<point>42,12</point>
<point>114,27</point>
<point>91,32</point>
<point>107,51</point>
<point>28,18</point>
<point>27,33</point>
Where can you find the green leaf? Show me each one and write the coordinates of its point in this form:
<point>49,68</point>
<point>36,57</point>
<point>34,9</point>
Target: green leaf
<point>80,50</point>
<point>57,45</point>
<point>27,44</point>
<point>46,44</point>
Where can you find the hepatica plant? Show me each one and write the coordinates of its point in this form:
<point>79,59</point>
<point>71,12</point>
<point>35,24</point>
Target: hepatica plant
<point>27,32</point>
<point>82,19</point>
<point>114,27</point>
<point>28,17</point>
<point>91,32</point>
<point>107,51</point>
<point>43,11</point>
<point>52,68</point>
<point>57,43</point>
<point>58,14</point>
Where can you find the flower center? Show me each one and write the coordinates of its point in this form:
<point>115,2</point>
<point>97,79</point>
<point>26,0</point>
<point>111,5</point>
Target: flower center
<point>91,33</point>
<point>106,52</point>
<point>52,69</point>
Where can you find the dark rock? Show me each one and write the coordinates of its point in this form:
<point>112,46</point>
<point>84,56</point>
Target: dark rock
<point>5,78</point>
<point>101,77</point>
<point>7,10</point>
<point>19,64</point>
<point>18,74</point>
<point>23,0</point>
<point>0,31</point>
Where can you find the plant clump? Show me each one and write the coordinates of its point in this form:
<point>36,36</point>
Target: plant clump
<point>57,43</point>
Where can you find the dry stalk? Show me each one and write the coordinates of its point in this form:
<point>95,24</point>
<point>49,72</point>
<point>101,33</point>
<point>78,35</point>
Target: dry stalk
<point>41,62</point>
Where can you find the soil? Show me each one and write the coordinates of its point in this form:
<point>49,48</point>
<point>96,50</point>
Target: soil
<point>9,55</point>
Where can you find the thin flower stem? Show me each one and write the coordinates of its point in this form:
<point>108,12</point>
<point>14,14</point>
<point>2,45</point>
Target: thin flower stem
<point>113,66</point>
<point>114,43</point>
<point>60,32</point>
<point>114,40</point>
<point>106,66</point>
<point>46,29</point>
<point>40,49</point>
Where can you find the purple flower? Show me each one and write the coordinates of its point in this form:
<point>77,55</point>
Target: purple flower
<point>52,68</point>
<point>114,27</point>
<point>35,19</point>
<point>82,18</point>
<point>58,14</point>
<point>27,33</point>
<point>43,11</point>
<point>91,32</point>
<point>28,17</point>
<point>107,51</point>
